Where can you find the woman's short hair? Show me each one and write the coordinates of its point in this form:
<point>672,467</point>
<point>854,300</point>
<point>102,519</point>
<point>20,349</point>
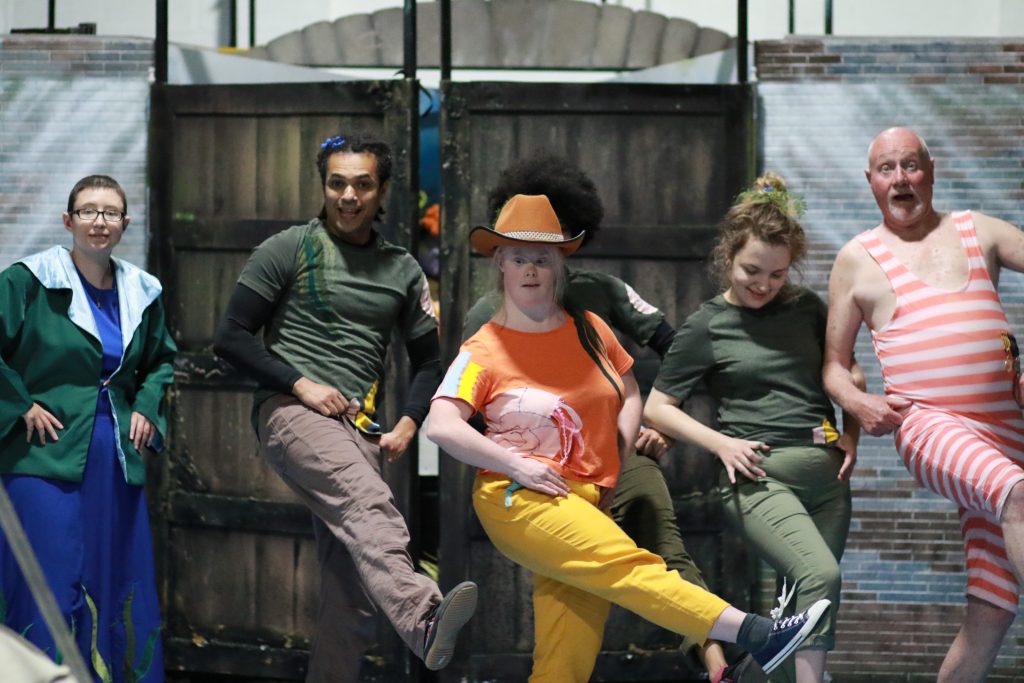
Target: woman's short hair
<point>91,182</point>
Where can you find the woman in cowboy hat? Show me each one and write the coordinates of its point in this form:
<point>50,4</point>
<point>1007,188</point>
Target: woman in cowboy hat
<point>562,409</point>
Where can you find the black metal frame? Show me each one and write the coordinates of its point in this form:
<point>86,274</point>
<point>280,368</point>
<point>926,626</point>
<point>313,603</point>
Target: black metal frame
<point>828,17</point>
<point>409,72</point>
<point>742,69</point>
<point>409,37</point>
<point>232,23</point>
<point>160,48</point>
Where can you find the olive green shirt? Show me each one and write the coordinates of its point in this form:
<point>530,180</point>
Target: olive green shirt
<point>761,366</point>
<point>336,307</point>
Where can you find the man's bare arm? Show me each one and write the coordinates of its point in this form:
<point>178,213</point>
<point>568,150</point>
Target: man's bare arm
<point>844,321</point>
<point>1006,240</point>
<point>877,414</point>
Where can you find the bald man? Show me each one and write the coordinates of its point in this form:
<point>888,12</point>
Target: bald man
<point>924,283</point>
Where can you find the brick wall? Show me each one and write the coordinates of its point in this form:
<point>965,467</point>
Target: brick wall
<point>906,60</point>
<point>821,103</point>
<point>70,106</point>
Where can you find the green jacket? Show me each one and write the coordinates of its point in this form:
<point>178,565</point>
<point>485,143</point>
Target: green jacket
<point>51,354</point>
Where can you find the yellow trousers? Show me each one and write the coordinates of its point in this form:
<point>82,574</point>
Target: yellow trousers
<point>582,562</point>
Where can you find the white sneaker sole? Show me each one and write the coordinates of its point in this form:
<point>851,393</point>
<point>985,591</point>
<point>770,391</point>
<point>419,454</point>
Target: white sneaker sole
<point>813,615</point>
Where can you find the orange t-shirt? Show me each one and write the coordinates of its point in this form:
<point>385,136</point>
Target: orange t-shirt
<point>543,396</point>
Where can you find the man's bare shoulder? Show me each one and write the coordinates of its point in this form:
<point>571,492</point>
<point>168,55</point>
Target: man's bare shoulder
<point>983,223</point>
<point>851,255</point>
<point>994,232</point>
<point>858,286</point>
<point>1001,242</point>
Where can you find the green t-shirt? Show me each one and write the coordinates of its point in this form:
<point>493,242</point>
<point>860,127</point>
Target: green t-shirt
<point>606,296</point>
<point>336,306</point>
<point>762,367</point>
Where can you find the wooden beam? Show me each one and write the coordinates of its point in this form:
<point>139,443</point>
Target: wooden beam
<point>653,666</point>
<point>233,658</point>
<point>239,514</point>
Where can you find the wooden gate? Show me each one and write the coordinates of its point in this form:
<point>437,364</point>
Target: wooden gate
<point>230,166</point>
<point>668,161</point>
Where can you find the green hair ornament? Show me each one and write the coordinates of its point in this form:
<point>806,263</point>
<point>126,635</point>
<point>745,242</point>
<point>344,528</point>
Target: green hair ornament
<point>790,204</point>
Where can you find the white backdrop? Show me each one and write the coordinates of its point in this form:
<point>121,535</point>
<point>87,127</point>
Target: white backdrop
<point>204,22</point>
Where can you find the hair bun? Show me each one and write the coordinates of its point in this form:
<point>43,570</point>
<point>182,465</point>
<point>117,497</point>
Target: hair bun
<point>771,189</point>
<point>771,182</point>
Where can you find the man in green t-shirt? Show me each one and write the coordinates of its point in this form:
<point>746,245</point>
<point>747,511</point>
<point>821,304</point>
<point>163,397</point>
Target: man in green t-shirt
<point>328,295</point>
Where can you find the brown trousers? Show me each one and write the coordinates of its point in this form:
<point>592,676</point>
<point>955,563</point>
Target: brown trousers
<point>362,539</point>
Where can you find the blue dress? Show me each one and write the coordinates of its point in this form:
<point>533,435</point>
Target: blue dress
<point>93,542</point>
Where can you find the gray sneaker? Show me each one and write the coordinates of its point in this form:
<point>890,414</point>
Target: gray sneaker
<point>450,615</point>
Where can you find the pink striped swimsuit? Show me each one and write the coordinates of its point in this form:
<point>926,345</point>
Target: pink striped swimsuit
<point>951,354</point>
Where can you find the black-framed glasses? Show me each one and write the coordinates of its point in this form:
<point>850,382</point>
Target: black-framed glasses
<point>109,215</point>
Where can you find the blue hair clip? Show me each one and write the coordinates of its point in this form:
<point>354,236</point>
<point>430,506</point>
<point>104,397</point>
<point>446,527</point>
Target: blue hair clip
<point>768,188</point>
<point>333,142</point>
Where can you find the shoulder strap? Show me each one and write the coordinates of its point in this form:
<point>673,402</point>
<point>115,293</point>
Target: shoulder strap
<point>964,222</point>
<point>899,276</point>
<point>977,267</point>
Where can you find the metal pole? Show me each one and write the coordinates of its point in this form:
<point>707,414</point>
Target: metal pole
<point>741,42</point>
<point>252,23</point>
<point>51,15</point>
<point>160,48</point>
<point>409,51</point>
<point>828,17</point>
<point>446,40</point>
<point>232,23</point>
<point>33,573</point>
<point>792,17</point>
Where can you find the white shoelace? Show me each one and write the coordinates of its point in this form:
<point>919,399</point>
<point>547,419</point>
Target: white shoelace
<point>784,598</point>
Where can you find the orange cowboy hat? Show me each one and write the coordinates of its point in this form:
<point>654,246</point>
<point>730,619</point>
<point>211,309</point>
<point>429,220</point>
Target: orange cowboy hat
<point>525,219</point>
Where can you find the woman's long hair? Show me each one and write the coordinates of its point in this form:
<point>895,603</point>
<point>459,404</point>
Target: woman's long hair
<point>590,340</point>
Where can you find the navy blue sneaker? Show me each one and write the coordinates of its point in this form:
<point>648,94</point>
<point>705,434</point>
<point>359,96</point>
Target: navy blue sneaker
<point>450,615</point>
<point>787,633</point>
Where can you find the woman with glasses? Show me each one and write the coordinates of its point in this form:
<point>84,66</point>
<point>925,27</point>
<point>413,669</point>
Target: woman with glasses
<point>85,359</point>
